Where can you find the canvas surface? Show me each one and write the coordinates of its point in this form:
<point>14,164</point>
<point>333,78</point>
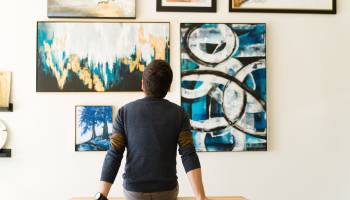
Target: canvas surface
<point>286,4</point>
<point>102,57</point>
<point>189,3</point>
<point>92,8</point>
<point>5,89</point>
<point>224,85</point>
<point>93,126</point>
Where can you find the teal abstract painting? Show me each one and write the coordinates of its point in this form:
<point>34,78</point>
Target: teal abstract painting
<point>223,85</point>
<point>97,57</point>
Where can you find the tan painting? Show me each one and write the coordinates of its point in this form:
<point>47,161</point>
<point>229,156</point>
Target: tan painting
<point>92,8</point>
<point>5,88</point>
<point>283,5</point>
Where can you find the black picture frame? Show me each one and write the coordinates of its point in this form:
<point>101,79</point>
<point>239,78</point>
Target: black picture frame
<point>161,8</point>
<point>333,10</point>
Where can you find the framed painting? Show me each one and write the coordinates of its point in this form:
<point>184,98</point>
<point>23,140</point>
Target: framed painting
<point>186,5</point>
<point>288,6</point>
<point>5,89</point>
<point>93,126</point>
<point>97,57</point>
<point>223,85</point>
<point>92,8</point>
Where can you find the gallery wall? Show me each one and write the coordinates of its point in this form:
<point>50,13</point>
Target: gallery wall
<point>308,112</point>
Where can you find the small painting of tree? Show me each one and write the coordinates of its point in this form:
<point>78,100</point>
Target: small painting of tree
<point>94,125</point>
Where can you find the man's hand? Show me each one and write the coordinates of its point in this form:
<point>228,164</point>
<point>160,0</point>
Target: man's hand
<point>195,178</point>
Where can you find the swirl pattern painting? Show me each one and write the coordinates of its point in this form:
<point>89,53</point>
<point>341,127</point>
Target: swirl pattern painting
<point>223,70</point>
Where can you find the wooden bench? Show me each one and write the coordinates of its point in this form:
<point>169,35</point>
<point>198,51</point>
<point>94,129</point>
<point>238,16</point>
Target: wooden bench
<point>180,198</point>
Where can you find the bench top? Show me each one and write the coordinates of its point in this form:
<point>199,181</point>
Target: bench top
<point>180,198</point>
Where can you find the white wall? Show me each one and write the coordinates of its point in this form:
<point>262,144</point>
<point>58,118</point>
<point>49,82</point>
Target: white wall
<point>308,79</point>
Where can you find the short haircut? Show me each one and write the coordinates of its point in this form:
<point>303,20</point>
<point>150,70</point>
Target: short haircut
<point>157,79</point>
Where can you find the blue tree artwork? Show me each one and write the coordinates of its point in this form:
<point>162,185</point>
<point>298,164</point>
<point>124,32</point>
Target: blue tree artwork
<point>93,127</point>
<point>223,87</point>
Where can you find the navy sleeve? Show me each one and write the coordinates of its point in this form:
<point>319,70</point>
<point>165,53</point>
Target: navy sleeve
<point>114,155</point>
<point>187,151</point>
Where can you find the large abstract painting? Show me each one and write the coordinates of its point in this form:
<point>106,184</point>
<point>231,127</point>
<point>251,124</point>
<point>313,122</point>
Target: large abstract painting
<point>286,6</point>
<point>186,5</point>
<point>93,126</point>
<point>92,8</point>
<point>97,57</point>
<point>223,85</point>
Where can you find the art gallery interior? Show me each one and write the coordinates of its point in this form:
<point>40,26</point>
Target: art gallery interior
<point>286,69</point>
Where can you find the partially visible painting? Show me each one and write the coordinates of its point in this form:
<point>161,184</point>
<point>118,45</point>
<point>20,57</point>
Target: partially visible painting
<point>93,126</point>
<point>97,57</point>
<point>92,8</point>
<point>186,5</point>
<point>223,85</point>
<point>286,6</point>
<point>5,89</point>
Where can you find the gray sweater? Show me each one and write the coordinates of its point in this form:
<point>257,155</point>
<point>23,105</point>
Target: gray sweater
<point>150,129</point>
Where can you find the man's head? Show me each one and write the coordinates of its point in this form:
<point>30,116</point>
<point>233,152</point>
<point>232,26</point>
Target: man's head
<point>157,78</point>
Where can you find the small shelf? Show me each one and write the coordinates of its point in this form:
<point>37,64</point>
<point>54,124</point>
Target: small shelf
<point>5,153</point>
<point>7,109</point>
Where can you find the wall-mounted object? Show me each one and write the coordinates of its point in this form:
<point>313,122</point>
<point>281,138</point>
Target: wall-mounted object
<point>93,126</point>
<point>5,91</point>
<point>290,6</point>
<point>3,134</point>
<point>92,8</point>
<point>97,56</point>
<point>186,5</point>
<point>223,85</point>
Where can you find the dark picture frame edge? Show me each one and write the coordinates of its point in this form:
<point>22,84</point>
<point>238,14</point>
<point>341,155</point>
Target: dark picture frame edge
<point>290,11</point>
<point>161,8</point>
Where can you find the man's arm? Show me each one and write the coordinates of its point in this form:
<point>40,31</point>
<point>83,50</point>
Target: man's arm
<point>195,178</point>
<point>112,162</point>
<point>105,187</point>
<point>191,164</point>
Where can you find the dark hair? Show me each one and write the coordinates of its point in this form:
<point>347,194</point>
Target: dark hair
<point>157,79</point>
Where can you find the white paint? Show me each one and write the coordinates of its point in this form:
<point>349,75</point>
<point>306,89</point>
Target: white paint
<point>308,107</point>
<point>193,3</point>
<point>3,134</point>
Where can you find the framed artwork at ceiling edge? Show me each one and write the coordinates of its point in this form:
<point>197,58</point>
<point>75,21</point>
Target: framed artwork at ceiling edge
<point>97,56</point>
<point>93,126</point>
<point>223,85</point>
<point>92,8</point>
<point>186,5</point>
<point>287,6</point>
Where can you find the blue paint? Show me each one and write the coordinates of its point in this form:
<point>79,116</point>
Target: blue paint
<point>252,48</point>
<point>89,118</point>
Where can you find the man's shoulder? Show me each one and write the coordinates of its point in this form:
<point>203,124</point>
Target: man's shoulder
<point>141,102</point>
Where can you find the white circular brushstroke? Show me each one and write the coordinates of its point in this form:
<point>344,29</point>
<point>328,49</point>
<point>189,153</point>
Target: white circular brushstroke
<point>233,101</point>
<point>221,35</point>
<point>209,124</point>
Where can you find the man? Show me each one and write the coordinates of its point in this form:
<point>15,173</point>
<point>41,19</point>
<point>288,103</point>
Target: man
<point>151,129</point>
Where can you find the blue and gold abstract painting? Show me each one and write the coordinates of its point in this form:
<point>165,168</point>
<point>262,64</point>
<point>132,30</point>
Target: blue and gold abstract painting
<point>93,126</point>
<point>97,57</point>
<point>223,86</point>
